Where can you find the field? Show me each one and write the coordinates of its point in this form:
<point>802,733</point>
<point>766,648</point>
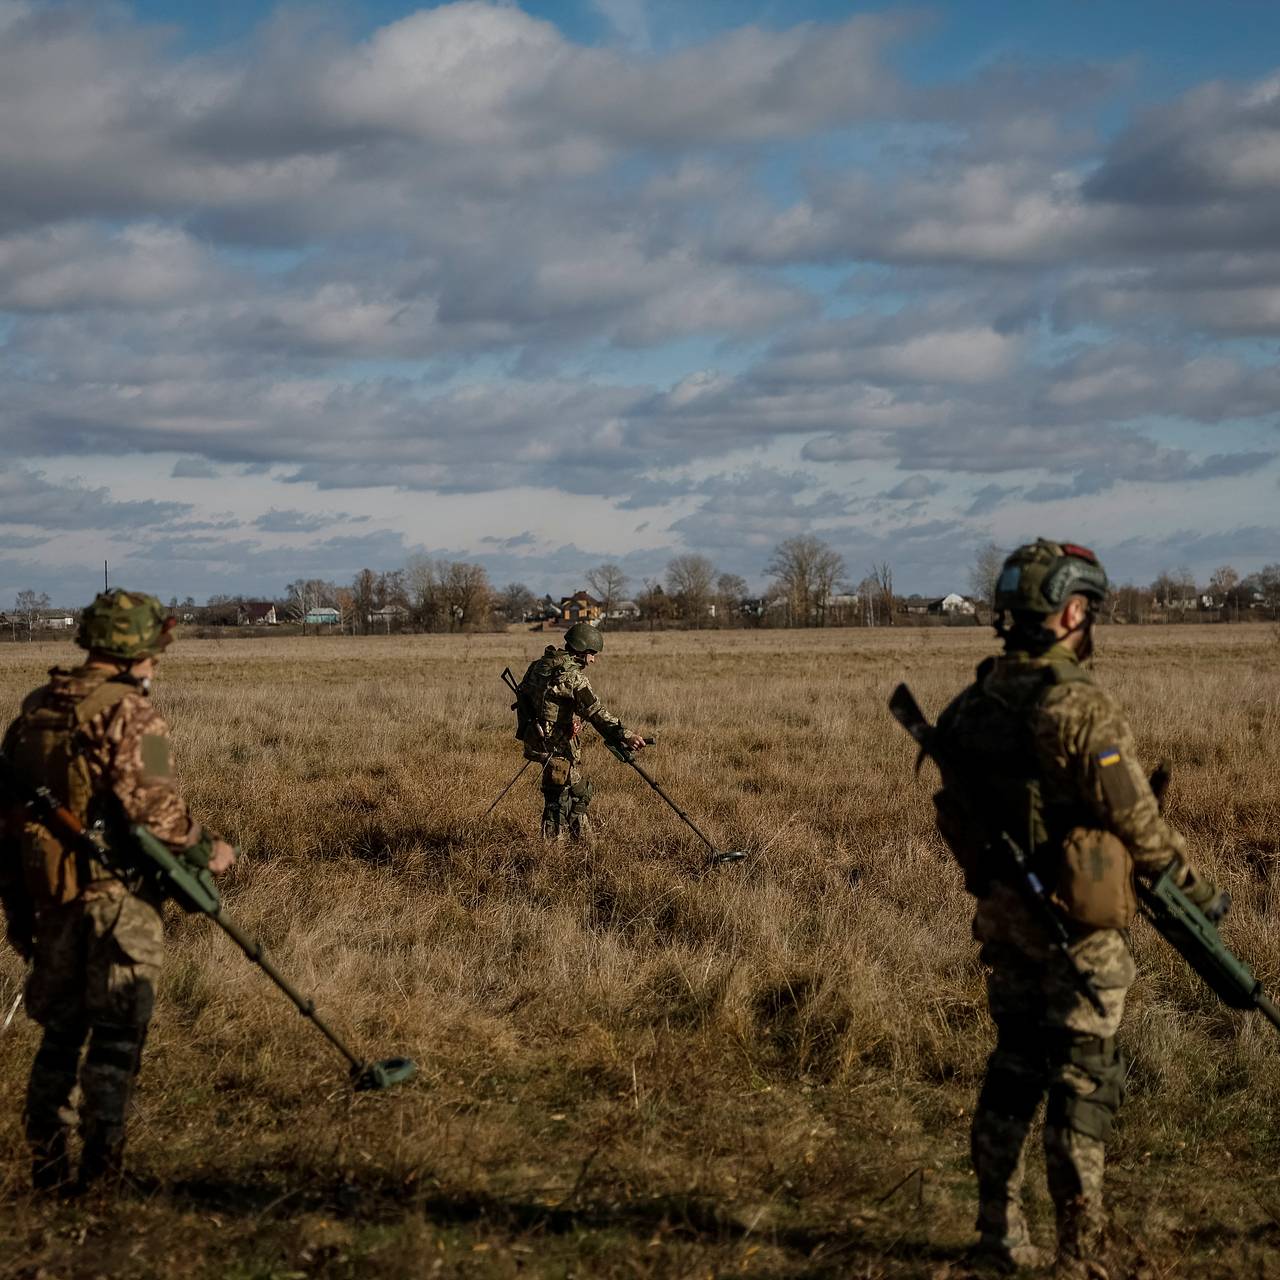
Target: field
<point>632,1064</point>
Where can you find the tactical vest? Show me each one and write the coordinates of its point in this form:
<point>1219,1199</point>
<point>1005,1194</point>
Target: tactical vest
<point>44,746</point>
<point>996,771</point>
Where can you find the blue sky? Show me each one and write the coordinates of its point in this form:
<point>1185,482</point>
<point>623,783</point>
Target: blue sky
<point>288,292</point>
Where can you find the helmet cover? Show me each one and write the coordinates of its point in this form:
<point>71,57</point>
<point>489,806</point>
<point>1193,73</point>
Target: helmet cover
<point>1040,576</point>
<point>125,624</point>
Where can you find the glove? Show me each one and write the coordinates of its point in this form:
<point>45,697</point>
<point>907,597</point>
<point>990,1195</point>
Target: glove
<point>1214,903</point>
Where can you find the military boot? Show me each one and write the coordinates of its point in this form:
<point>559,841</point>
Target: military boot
<point>50,1166</point>
<point>1003,1255</point>
<point>101,1168</point>
<point>1081,1240</point>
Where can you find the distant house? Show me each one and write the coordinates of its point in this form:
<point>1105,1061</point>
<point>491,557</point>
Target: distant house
<point>322,617</point>
<point>624,610</point>
<point>581,607</point>
<point>950,605</point>
<point>392,615</point>
<point>55,620</point>
<point>256,613</point>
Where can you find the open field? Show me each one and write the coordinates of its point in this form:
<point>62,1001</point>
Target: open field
<point>632,1065</point>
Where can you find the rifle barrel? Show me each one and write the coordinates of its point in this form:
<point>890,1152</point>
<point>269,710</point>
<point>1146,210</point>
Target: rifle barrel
<point>1267,1007</point>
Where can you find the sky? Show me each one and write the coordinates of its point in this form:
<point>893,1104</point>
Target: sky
<point>290,291</point>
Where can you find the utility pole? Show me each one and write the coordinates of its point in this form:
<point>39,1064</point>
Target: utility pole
<point>106,586</point>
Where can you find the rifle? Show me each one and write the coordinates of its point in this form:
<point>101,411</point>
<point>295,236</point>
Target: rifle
<point>1196,938</point>
<point>1019,873</point>
<point>193,889</point>
<point>624,753</point>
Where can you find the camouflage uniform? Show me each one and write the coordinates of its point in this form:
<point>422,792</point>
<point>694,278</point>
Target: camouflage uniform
<point>1041,720</point>
<point>95,942</point>
<point>559,698</point>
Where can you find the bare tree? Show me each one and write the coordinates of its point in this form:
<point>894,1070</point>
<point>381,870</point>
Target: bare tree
<point>609,583</point>
<point>985,573</point>
<point>731,591</point>
<point>691,579</point>
<point>655,605</point>
<point>27,606</point>
<point>882,577</point>
<point>515,600</point>
<point>1223,580</point>
<point>469,594</point>
<point>304,595</point>
<point>364,600</point>
<point>806,572</point>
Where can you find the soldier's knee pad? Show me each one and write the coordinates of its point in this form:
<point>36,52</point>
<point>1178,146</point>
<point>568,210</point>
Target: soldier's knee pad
<point>115,1048</point>
<point>1087,1088</point>
<point>581,793</point>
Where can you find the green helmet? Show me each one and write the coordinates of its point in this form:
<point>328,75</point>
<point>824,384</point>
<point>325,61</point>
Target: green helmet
<point>125,624</point>
<point>584,637</point>
<point>1038,577</point>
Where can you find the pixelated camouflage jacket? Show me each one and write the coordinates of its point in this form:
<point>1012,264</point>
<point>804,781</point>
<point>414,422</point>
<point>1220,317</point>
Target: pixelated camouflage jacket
<point>1043,718</point>
<point>559,698</point>
<point>127,754</point>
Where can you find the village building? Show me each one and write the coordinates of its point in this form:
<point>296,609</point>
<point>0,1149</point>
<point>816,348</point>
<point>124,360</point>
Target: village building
<point>581,607</point>
<point>325,616</point>
<point>256,613</point>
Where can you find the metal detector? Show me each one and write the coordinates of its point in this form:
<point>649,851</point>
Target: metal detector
<point>627,756</point>
<point>193,889</point>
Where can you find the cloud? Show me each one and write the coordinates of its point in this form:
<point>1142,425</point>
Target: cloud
<point>277,521</point>
<point>194,469</point>
<point>28,498</point>
<point>913,488</point>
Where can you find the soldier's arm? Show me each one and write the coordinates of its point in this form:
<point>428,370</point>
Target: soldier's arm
<point>131,751</point>
<point>588,707</point>
<point>1099,749</point>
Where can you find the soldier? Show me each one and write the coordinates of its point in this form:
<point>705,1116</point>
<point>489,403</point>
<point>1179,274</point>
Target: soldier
<point>95,941</point>
<point>557,698</point>
<point>1035,747</point>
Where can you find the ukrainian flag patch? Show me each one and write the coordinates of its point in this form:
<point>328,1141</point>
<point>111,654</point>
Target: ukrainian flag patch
<point>1109,756</point>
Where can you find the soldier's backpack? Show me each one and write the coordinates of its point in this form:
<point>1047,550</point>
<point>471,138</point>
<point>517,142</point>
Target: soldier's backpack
<point>42,744</point>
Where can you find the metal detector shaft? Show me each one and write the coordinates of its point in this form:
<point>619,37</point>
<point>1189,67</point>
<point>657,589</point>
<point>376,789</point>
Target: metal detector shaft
<point>507,788</point>
<point>306,1006</point>
<point>680,813</point>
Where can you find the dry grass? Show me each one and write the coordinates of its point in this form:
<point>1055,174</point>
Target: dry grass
<point>633,1065</point>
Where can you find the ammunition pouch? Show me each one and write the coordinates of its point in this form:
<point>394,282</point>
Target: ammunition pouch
<point>556,773</point>
<point>1094,885</point>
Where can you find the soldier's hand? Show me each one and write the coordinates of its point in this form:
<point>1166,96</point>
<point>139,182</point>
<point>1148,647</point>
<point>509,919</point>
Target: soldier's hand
<point>223,857</point>
<point>1217,906</point>
<point>634,742</point>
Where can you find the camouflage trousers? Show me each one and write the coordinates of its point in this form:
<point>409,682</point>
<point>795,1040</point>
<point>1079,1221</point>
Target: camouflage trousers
<point>93,979</point>
<point>1050,1044</point>
<point>566,796</point>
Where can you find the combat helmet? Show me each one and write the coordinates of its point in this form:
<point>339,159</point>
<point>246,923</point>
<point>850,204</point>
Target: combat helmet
<point>1039,577</point>
<point>125,624</point>
<point>584,637</point>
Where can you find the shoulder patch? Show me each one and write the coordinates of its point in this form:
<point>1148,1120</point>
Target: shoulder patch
<point>156,761</point>
<point>1117,785</point>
